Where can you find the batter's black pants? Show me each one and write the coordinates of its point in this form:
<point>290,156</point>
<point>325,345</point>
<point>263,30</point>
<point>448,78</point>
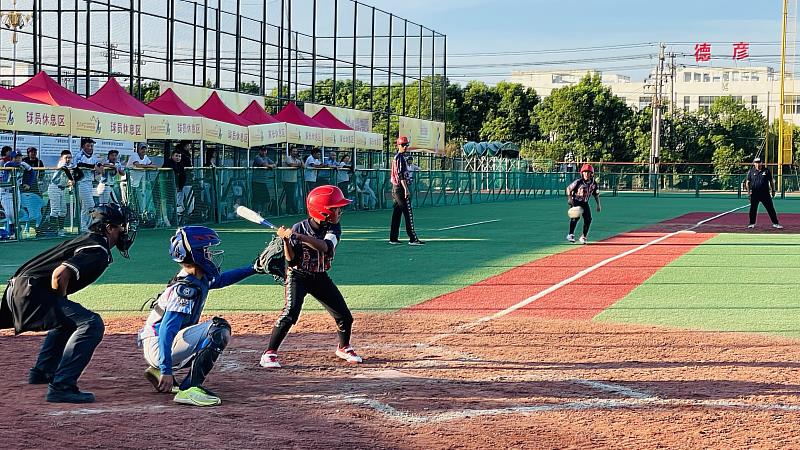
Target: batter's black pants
<point>402,207</point>
<point>587,218</point>
<point>766,199</point>
<point>68,348</point>
<point>321,287</point>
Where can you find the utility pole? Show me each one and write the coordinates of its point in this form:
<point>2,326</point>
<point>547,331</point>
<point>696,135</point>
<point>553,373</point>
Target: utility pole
<point>655,142</point>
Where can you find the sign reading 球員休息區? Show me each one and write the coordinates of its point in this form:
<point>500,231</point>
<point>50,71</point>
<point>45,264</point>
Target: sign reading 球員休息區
<point>225,133</point>
<point>267,134</point>
<point>423,134</point>
<point>162,126</point>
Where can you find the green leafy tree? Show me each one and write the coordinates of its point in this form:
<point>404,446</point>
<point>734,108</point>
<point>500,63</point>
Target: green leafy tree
<point>250,87</point>
<point>512,117</point>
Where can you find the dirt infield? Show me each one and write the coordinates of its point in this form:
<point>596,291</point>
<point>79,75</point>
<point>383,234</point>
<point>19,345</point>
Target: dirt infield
<point>730,223</point>
<point>521,382</point>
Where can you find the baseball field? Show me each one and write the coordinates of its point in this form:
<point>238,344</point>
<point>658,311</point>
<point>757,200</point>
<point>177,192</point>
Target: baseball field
<point>676,326</point>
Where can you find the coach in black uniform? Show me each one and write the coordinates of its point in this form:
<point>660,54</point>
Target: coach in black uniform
<point>401,194</point>
<point>36,300</point>
<point>761,188</point>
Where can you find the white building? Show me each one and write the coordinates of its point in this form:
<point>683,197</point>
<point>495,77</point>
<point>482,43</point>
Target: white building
<point>693,88</point>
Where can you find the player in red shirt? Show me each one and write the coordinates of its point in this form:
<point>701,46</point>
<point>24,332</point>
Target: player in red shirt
<point>578,193</point>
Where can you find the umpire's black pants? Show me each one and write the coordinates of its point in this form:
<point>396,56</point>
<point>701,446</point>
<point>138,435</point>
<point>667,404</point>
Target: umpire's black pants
<point>68,348</point>
<point>319,285</point>
<point>587,218</point>
<point>766,199</point>
<point>402,207</point>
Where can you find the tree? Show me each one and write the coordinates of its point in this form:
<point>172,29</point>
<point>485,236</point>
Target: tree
<point>589,117</point>
<point>512,117</point>
<point>479,99</point>
<point>250,87</point>
<point>737,126</point>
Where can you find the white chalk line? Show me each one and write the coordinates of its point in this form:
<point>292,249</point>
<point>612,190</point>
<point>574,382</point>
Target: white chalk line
<point>470,325</point>
<point>91,411</point>
<point>468,224</point>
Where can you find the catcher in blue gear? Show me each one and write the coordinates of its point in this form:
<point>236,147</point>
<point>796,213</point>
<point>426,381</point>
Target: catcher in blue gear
<point>173,337</point>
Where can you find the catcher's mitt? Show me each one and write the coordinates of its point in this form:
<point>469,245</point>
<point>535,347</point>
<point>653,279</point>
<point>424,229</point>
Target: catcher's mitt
<point>272,261</point>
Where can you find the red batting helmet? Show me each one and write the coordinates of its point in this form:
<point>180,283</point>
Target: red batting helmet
<point>321,199</point>
<point>402,140</point>
<point>587,168</point>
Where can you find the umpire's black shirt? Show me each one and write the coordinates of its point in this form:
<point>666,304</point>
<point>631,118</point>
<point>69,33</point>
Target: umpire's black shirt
<point>759,180</point>
<point>28,304</point>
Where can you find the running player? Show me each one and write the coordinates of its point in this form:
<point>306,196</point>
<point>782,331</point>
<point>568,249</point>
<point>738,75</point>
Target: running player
<point>172,337</point>
<point>309,248</point>
<point>578,193</point>
<point>36,300</point>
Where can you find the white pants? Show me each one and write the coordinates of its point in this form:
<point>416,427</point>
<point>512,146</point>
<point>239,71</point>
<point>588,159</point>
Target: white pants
<point>184,347</point>
<point>58,201</point>
<point>181,196</point>
<point>31,208</point>
<point>7,200</point>
<point>106,193</point>
<point>86,197</point>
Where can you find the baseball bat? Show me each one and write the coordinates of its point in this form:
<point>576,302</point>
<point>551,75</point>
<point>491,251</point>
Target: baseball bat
<point>248,214</point>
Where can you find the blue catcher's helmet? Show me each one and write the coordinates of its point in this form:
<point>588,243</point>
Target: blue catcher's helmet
<point>192,244</point>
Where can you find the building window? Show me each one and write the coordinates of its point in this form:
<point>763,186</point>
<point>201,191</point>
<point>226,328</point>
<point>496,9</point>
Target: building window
<point>792,104</point>
<point>705,101</point>
<point>686,100</point>
<point>754,101</point>
<point>754,76</point>
<point>734,76</point>
<point>696,76</point>
<point>716,78</point>
<point>687,77</point>
<point>706,78</point>
<point>726,76</point>
<point>644,102</point>
<point>745,76</point>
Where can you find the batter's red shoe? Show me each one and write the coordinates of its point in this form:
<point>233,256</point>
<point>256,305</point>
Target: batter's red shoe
<point>269,360</point>
<point>348,354</point>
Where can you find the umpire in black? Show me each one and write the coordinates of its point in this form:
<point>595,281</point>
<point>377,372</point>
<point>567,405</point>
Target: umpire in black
<point>761,188</point>
<point>36,300</point>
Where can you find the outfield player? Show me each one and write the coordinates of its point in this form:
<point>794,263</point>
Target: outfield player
<point>401,194</point>
<point>761,188</point>
<point>309,248</point>
<point>87,162</point>
<point>36,300</point>
<point>578,193</point>
<point>173,337</point>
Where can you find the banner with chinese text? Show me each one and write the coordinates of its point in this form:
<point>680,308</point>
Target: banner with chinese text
<point>329,137</point>
<point>267,134</point>
<point>22,116</point>
<point>303,135</point>
<point>225,133</point>
<point>423,134</point>
<point>163,126</point>
<point>368,141</point>
<point>107,126</point>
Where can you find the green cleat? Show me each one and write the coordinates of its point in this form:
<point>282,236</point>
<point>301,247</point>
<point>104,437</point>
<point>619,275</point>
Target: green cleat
<point>153,375</point>
<point>196,396</point>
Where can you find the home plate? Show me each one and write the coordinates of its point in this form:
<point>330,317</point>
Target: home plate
<point>389,373</point>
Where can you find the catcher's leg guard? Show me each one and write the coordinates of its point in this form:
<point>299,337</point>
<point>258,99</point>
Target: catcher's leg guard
<point>219,334</point>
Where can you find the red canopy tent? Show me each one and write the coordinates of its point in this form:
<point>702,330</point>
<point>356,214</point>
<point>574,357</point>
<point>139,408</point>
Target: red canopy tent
<point>328,120</point>
<point>11,96</point>
<point>45,89</point>
<point>116,98</point>
<point>169,103</point>
<point>215,109</point>
<point>292,114</point>
<point>255,113</point>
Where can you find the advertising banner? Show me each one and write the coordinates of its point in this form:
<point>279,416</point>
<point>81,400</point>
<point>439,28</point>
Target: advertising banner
<point>225,133</point>
<point>162,126</point>
<point>303,135</point>
<point>32,117</point>
<point>328,137</point>
<point>423,134</point>
<point>267,134</point>
<point>107,126</point>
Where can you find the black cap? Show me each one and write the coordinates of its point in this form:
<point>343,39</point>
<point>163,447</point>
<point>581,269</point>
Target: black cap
<point>87,141</point>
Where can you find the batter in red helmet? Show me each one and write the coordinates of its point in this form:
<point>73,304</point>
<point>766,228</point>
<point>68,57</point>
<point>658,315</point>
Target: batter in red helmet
<point>309,248</point>
<point>578,193</point>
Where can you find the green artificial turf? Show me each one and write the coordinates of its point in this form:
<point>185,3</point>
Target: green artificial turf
<point>373,275</point>
<point>732,282</point>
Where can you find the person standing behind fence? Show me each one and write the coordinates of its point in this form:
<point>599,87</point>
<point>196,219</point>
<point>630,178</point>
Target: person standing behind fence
<point>761,188</point>
<point>578,193</point>
<point>33,177</point>
<point>136,178</point>
<point>345,167</point>
<point>57,191</point>
<point>9,179</point>
<point>5,154</point>
<point>263,178</point>
<point>87,163</point>
<point>289,180</point>
<point>401,194</point>
<point>175,162</point>
<point>313,164</point>
<point>112,171</point>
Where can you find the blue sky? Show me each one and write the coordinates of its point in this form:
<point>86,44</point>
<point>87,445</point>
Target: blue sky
<point>474,26</point>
